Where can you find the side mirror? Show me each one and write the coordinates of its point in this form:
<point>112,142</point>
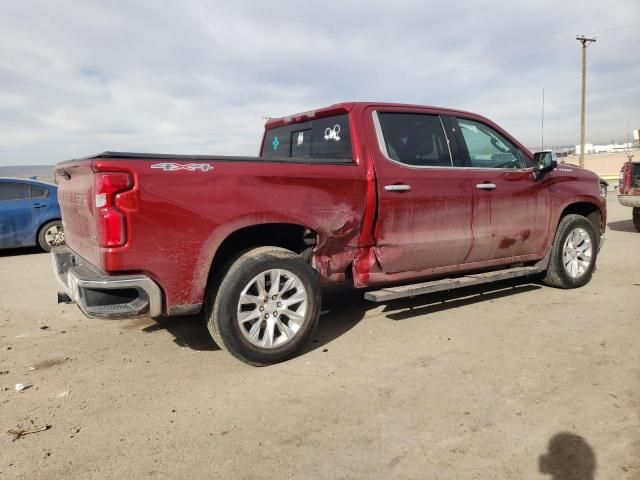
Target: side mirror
<point>545,161</point>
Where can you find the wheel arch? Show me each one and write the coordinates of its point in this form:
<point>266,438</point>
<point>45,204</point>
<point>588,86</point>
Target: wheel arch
<point>589,210</point>
<point>291,236</point>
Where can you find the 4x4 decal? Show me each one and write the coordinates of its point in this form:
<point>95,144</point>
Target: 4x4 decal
<point>191,167</point>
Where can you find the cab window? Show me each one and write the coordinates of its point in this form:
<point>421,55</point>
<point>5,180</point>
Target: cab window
<point>415,139</point>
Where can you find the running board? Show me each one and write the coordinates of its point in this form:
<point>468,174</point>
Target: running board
<point>392,293</point>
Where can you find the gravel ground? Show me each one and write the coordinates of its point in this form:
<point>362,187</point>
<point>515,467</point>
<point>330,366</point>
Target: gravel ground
<point>508,381</point>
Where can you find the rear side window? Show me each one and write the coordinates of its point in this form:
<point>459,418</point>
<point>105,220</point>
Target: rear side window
<point>39,192</point>
<point>326,138</point>
<point>415,139</point>
<point>13,191</point>
<point>487,148</point>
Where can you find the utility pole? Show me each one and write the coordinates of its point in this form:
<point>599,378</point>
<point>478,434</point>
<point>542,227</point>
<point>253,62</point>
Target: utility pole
<point>585,43</point>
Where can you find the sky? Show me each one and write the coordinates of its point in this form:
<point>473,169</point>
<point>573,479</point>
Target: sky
<point>199,77</point>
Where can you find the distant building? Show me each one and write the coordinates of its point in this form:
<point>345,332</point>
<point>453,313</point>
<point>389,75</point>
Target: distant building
<point>610,148</point>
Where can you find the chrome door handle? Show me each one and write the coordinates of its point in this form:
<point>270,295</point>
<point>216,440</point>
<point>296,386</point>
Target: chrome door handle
<point>397,188</point>
<point>486,186</point>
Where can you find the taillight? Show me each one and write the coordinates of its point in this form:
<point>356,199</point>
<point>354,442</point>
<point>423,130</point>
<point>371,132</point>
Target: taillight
<point>112,222</point>
<point>625,178</point>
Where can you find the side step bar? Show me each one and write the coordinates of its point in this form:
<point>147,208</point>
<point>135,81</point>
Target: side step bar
<point>392,293</point>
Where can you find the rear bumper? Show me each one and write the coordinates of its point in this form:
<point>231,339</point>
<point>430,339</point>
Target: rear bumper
<point>103,296</point>
<point>629,200</point>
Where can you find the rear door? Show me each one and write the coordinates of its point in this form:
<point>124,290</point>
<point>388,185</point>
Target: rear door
<point>424,204</point>
<point>511,209</point>
<point>16,215</point>
<point>42,205</point>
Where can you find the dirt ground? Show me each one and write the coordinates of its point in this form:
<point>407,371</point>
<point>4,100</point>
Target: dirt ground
<point>502,382</point>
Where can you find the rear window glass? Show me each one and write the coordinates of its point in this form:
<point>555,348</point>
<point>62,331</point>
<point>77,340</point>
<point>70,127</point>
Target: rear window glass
<point>13,191</point>
<point>326,138</point>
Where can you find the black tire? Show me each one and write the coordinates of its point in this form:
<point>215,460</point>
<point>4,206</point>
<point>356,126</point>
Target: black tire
<point>42,241</point>
<point>636,218</point>
<point>223,299</point>
<point>556,275</point>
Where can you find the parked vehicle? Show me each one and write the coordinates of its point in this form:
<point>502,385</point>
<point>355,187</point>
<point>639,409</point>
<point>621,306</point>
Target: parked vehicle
<point>630,189</point>
<point>29,214</point>
<point>372,194</point>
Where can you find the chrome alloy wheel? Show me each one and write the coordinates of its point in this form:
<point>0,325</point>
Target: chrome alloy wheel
<point>54,236</point>
<point>576,253</point>
<point>272,308</point>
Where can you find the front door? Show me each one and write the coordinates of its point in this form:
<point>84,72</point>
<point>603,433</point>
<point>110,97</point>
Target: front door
<point>424,204</point>
<point>16,213</point>
<point>511,209</point>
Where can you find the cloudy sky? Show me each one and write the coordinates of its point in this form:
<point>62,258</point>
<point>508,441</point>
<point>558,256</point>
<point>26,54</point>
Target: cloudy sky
<point>79,77</point>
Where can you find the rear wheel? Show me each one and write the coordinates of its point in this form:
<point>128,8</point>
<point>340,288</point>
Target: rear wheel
<point>51,235</point>
<point>266,306</point>
<point>636,218</point>
<point>573,253</point>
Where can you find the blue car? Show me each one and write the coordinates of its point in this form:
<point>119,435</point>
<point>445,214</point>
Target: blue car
<point>29,214</point>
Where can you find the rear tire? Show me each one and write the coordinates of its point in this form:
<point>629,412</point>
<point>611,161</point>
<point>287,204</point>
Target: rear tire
<point>573,253</point>
<point>265,307</point>
<point>636,218</point>
<point>51,235</point>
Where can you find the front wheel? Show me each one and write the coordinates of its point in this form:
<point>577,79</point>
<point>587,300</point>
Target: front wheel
<point>266,306</point>
<point>573,253</point>
<point>636,218</point>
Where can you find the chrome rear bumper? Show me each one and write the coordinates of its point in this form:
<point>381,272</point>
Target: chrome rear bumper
<point>103,296</point>
<point>629,200</point>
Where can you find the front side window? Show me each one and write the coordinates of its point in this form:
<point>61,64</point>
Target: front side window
<point>415,139</point>
<point>487,148</point>
<point>326,138</point>
<point>13,191</point>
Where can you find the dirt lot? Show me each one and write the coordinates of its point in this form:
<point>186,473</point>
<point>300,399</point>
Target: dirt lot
<point>467,385</point>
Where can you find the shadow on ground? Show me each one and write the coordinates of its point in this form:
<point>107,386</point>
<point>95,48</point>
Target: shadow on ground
<point>622,226</point>
<point>343,308</point>
<point>14,252</point>
<point>568,457</point>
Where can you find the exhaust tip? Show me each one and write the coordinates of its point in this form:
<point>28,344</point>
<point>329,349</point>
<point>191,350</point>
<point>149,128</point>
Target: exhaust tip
<point>64,298</point>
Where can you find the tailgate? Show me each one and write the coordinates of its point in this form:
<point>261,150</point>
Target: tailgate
<point>76,198</point>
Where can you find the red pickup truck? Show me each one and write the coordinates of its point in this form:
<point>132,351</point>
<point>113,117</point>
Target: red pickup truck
<point>407,199</point>
<point>630,189</point>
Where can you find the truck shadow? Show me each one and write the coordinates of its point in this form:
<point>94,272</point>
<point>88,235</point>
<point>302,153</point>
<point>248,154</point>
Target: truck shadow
<point>622,226</point>
<point>14,252</point>
<point>343,308</point>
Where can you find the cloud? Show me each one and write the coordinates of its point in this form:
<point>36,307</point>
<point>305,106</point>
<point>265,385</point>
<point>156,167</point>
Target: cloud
<point>79,77</point>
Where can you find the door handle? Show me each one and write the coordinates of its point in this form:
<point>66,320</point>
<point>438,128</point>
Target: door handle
<point>486,186</point>
<point>397,188</point>
<point>39,205</point>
